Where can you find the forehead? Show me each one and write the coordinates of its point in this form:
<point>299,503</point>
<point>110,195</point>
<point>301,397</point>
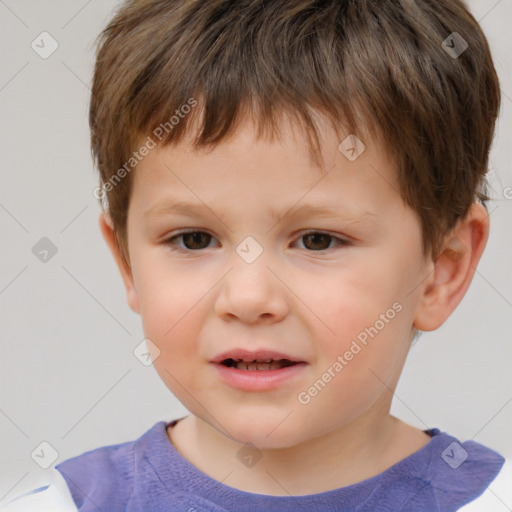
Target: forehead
<point>263,136</point>
<point>245,165</point>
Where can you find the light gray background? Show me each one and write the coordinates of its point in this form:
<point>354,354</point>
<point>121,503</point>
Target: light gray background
<point>68,375</point>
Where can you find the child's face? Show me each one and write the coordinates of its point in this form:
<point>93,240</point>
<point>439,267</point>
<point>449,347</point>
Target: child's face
<point>304,296</point>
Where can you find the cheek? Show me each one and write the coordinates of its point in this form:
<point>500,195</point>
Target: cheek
<point>172,316</point>
<point>352,375</point>
<point>172,307</point>
<point>370,338</point>
<point>350,301</point>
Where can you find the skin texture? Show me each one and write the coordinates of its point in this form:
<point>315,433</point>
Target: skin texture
<point>294,298</point>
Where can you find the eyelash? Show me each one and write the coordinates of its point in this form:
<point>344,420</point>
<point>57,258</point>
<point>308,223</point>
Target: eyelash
<point>173,246</point>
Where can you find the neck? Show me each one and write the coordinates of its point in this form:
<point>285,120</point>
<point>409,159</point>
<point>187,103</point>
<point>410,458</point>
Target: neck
<point>343,456</point>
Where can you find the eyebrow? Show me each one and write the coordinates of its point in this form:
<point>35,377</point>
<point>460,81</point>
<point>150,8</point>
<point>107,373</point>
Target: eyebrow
<point>168,206</point>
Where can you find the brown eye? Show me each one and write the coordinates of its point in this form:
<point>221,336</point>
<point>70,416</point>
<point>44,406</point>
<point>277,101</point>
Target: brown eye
<point>192,241</point>
<point>319,241</point>
<point>196,240</point>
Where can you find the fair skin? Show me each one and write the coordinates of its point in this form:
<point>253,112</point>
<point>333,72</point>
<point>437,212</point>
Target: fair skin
<point>308,298</point>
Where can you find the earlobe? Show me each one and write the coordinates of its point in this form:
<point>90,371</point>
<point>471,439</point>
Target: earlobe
<point>109,235</point>
<point>453,270</point>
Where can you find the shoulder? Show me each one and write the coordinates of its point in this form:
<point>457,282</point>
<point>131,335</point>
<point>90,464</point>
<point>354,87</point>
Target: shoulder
<point>460,473</point>
<point>53,497</point>
<point>73,484</point>
<point>106,475</point>
<point>103,476</point>
<point>445,475</point>
<point>497,497</point>
<point>113,464</point>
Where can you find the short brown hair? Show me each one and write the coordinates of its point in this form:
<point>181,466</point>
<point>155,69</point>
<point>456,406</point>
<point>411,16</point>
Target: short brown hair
<point>375,67</point>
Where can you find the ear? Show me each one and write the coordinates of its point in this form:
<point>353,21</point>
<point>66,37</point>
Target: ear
<point>453,269</point>
<point>109,235</point>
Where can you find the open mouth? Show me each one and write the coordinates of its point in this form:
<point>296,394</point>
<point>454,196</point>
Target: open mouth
<point>267,364</point>
<point>259,371</point>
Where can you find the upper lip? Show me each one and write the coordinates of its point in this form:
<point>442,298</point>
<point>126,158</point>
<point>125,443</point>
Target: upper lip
<point>253,355</point>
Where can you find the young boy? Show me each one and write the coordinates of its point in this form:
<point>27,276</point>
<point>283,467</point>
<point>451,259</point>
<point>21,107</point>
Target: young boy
<point>292,191</point>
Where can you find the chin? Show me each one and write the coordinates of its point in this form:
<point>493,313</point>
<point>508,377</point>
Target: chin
<point>264,432</point>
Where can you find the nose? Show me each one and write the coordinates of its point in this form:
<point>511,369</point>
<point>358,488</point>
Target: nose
<point>252,293</point>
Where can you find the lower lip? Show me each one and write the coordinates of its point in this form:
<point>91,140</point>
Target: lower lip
<point>258,380</point>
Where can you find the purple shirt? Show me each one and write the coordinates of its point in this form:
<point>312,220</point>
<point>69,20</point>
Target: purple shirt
<point>149,475</point>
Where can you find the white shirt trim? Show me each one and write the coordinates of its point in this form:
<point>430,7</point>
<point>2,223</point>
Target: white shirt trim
<point>54,498</point>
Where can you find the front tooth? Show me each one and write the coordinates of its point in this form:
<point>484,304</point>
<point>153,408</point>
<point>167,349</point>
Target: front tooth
<point>258,366</point>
